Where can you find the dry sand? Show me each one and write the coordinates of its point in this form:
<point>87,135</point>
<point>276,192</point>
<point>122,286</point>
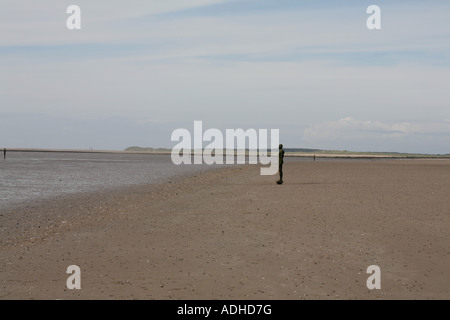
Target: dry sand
<point>233,234</point>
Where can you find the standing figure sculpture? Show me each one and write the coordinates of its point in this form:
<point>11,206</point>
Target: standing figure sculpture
<point>280,163</point>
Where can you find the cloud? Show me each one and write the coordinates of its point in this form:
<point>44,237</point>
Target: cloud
<point>349,126</point>
<point>384,136</point>
<point>285,34</point>
<point>24,23</point>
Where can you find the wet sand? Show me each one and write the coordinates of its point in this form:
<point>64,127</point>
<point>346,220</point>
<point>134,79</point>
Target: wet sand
<point>233,234</point>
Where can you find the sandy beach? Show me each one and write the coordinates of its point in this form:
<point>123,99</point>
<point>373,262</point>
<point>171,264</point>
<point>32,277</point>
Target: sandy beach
<point>231,233</point>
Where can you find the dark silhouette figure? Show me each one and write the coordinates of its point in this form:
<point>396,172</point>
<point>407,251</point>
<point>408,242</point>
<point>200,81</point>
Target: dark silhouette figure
<point>4,153</point>
<point>280,163</point>
<point>314,157</point>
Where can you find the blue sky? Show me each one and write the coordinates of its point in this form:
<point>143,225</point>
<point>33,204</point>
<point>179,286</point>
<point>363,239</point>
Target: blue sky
<point>134,73</point>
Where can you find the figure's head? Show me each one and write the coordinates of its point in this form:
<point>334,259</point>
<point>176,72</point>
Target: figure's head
<point>280,146</point>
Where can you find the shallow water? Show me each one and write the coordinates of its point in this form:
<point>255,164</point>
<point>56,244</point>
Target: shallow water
<point>27,176</point>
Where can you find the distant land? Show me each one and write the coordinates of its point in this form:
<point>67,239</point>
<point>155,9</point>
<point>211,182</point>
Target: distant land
<point>319,152</point>
<point>289,152</point>
<point>305,152</point>
<point>147,149</point>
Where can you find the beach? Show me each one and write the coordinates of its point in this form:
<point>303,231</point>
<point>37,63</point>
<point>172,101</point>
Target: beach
<point>231,233</point>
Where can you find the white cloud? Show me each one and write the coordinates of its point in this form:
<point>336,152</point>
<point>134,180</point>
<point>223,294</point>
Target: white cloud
<point>311,30</point>
<point>350,126</point>
<point>43,22</point>
<point>380,136</point>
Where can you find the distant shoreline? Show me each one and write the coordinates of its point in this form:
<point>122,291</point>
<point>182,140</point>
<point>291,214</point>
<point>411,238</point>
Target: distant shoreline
<point>85,151</point>
<point>368,156</point>
<point>318,155</point>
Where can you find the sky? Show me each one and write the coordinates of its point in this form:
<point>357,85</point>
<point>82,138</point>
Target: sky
<point>137,70</point>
